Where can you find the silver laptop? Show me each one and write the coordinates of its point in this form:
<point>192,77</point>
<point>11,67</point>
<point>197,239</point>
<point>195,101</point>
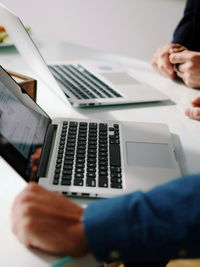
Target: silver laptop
<point>81,157</point>
<point>84,84</point>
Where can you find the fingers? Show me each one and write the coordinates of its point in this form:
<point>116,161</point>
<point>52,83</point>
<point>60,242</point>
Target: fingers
<point>187,79</point>
<point>29,187</point>
<point>193,113</point>
<point>180,57</point>
<point>161,62</point>
<point>163,66</point>
<point>180,74</point>
<point>168,68</point>
<point>196,101</point>
<point>177,49</point>
<point>48,221</point>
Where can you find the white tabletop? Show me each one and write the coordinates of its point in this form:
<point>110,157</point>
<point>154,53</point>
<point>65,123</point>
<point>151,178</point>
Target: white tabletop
<point>171,112</point>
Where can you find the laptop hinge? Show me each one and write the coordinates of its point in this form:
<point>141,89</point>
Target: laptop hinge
<point>46,150</point>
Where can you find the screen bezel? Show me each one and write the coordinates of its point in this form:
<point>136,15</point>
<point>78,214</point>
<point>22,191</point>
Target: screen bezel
<point>10,153</point>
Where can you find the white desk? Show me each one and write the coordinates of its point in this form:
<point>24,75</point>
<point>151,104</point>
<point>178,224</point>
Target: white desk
<point>12,253</point>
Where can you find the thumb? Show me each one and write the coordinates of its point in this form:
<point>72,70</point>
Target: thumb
<point>179,57</point>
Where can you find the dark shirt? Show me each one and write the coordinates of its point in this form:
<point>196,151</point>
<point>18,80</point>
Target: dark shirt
<point>161,224</point>
<point>187,32</point>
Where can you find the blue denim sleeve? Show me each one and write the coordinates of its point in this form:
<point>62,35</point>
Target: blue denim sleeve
<point>161,224</point>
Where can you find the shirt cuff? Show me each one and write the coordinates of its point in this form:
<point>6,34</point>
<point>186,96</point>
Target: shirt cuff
<point>107,230</point>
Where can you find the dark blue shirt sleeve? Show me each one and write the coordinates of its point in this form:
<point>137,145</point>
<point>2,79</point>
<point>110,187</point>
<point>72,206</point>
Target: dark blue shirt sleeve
<point>161,224</point>
<point>187,32</point>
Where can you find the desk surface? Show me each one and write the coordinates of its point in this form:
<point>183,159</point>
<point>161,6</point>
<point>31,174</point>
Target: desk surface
<point>171,112</point>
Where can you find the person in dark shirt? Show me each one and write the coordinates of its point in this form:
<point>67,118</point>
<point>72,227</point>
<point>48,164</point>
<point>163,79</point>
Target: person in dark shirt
<point>147,228</point>
<point>143,228</point>
<point>181,57</point>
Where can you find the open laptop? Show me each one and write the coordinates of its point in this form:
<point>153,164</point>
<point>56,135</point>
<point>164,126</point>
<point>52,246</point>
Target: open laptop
<point>85,84</point>
<point>81,157</point>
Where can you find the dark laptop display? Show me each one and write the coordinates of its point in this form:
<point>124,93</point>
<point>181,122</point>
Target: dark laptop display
<point>22,133</point>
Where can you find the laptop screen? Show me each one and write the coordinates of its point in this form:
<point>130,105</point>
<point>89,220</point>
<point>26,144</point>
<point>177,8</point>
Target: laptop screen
<point>22,132</point>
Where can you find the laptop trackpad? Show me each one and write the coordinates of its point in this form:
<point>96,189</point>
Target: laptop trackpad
<point>120,78</point>
<point>150,155</point>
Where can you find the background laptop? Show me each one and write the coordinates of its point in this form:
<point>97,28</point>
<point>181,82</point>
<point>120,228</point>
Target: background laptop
<point>83,83</point>
<point>83,158</point>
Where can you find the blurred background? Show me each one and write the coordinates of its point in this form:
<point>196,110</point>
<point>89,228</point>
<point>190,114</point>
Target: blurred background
<point>133,28</point>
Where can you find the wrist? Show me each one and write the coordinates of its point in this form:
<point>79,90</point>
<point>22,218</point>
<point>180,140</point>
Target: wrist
<point>81,247</point>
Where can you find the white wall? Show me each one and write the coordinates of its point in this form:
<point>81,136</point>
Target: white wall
<point>129,27</point>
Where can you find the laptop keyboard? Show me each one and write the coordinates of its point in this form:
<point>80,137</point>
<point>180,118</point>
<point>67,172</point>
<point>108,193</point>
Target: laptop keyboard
<point>89,155</point>
<point>81,83</point>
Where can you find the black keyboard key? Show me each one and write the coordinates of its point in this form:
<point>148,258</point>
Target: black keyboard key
<point>80,156</point>
<point>67,167</point>
<point>83,125</point>
<point>79,175</point>
<point>103,127</point>
<point>92,151</point>
<point>80,165</point>
<point>81,170</point>
<point>103,173</point>
<point>66,177</point>
<point>115,169</point>
<point>67,172</point>
<point>56,177</point>
<point>103,168</point>
<point>91,155</point>
<point>69,153</point>
<point>90,182</point>
<point>55,182</point>
<point>103,163</point>
<point>103,183</point>
<point>70,145</point>
<point>89,169</point>
<point>116,175</point>
<point>91,175</point>
<point>60,151</point>
<point>103,158</point>
<point>68,162</point>
<point>69,158</point>
<point>116,180</point>
<point>58,165</point>
<point>65,182</point>
<point>80,160</point>
<point>78,182</point>
<point>91,160</point>
<point>91,164</point>
<point>57,171</point>
<point>115,158</point>
<point>116,185</point>
<point>73,123</point>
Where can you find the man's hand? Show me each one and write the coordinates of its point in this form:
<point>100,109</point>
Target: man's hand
<point>194,111</point>
<point>161,62</point>
<point>188,67</point>
<point>48,221</point>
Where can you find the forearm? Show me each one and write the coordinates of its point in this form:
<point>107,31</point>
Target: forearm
<point>156,225</point>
